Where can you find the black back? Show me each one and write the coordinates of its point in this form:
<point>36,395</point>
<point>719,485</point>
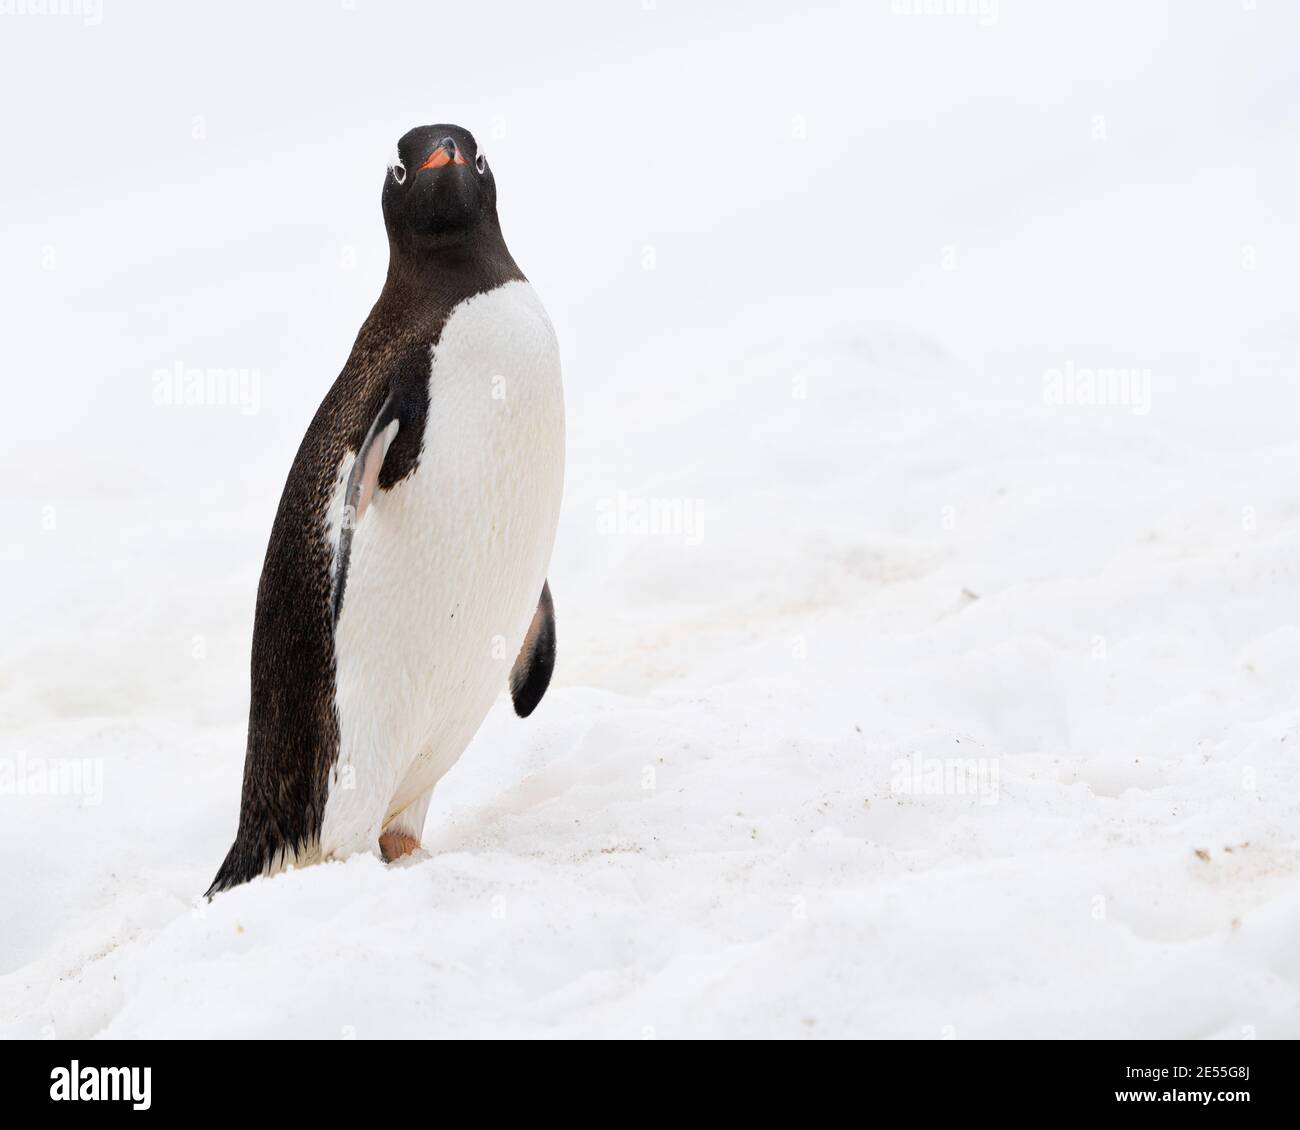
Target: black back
<point>445,245</point>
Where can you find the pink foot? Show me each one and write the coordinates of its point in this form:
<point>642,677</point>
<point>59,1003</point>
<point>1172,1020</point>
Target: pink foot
<point>394,845</point>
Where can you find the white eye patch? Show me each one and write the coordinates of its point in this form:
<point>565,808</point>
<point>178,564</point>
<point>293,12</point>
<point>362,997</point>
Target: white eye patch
<point>396,167</point>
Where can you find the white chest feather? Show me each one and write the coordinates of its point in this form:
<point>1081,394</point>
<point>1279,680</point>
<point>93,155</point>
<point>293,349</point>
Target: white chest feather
<point>447,566</point>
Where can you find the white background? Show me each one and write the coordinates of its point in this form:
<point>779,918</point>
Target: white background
<point>811,267</point>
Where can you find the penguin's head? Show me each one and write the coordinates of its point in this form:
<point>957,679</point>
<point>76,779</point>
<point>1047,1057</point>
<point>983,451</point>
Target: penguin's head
<point>438,190</point>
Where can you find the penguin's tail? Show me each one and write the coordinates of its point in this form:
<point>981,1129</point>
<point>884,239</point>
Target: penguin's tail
<point>248,859</point>
<point>239,866</point>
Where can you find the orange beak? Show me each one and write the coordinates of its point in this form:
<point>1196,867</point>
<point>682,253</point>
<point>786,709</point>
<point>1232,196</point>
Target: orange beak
<point>440,157</point>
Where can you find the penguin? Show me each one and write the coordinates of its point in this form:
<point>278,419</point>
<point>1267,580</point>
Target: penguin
<point>404,583</point>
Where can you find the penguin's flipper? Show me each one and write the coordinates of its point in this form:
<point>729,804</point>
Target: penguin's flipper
<point>363,480</point>
<point>531,674</point>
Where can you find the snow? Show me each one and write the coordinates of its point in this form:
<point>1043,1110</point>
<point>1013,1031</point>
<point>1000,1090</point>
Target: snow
<point>933,703</point>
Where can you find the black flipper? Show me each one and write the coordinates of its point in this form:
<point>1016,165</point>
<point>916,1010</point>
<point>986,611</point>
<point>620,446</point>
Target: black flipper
<point>531,674</point>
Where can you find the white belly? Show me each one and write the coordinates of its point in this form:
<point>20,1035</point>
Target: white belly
<point>447,567</point>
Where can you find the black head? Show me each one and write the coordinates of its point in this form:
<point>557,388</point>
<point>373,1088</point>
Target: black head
<point>439,192</point>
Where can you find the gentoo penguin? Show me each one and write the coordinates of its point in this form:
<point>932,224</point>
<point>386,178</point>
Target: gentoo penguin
<point>407,562</point>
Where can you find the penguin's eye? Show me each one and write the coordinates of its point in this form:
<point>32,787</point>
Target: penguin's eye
<point>398,170</point>
<point>480,163</point>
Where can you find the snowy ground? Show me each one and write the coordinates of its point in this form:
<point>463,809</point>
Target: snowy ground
<point>945,705</point>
